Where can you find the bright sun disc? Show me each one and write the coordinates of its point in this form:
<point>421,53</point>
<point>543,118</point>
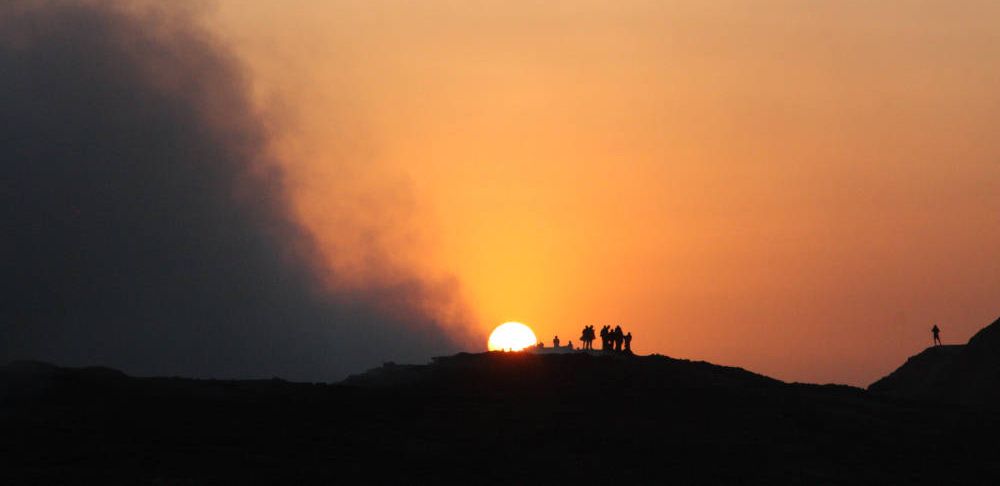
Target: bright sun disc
<point>511,336</point>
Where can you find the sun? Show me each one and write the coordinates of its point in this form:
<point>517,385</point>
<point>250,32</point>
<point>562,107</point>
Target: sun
<point>511,336</point>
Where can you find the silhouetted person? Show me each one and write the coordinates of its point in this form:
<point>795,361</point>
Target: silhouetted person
<point>628,342</point>
<point>555,342</point>
<point>604,338</point>
<point>937,335</point>
<point>587,337</point>
<point>619,337</point>
<point>569,345</point>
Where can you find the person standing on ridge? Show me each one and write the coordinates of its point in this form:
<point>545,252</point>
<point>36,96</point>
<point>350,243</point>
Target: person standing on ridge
<point>937,335</point>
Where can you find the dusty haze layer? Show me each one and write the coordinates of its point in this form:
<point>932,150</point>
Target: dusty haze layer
<point>799,188</point>
<point>148,221</point>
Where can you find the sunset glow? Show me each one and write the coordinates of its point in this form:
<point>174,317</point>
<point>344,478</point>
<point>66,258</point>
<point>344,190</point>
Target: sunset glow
<point>511,336</point>
<point>799,188</point>
<point>500,241</point>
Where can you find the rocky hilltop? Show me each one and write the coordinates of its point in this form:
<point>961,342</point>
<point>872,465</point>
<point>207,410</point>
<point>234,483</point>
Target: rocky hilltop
<point>968,374</point>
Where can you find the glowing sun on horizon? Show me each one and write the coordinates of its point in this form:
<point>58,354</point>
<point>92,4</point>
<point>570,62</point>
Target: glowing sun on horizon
<point>511,336</point>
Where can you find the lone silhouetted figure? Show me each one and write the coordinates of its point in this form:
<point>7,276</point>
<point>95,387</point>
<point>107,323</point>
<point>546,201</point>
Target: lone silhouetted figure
<point>937,335</point>
<point>555,342</point>
<point>628,342</point>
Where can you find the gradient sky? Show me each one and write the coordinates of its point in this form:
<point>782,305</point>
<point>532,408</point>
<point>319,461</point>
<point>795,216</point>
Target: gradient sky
<point>798,188</point>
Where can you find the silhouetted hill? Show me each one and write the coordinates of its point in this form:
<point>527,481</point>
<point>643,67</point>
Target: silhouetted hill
<point>490,372</point>
<point>482,418</point>
<point>923,375</point>
<point>968,374</point>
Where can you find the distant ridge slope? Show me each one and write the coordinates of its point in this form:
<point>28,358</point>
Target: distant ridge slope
<point>968,373</point>
<point>924,375</point>
<point>577,371</point>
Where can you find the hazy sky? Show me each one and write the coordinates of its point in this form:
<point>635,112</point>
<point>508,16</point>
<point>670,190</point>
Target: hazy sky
<point>799,188</point>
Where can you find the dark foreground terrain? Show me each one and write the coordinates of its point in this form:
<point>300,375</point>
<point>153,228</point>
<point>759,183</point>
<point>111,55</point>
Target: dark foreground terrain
<point>485,418</point>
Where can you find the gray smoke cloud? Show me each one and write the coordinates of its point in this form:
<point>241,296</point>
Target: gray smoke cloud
<point>145,226</point>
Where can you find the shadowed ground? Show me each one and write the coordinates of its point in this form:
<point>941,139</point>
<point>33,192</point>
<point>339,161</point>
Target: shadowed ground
<point>487,418</point>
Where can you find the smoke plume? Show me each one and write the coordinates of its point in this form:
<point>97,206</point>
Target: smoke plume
<point>146,225</point>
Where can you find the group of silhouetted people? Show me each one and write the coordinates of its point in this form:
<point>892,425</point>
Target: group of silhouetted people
<point>616,340</point>
<point>611,339</point>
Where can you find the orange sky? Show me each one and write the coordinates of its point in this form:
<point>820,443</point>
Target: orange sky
<point>798,188</point>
